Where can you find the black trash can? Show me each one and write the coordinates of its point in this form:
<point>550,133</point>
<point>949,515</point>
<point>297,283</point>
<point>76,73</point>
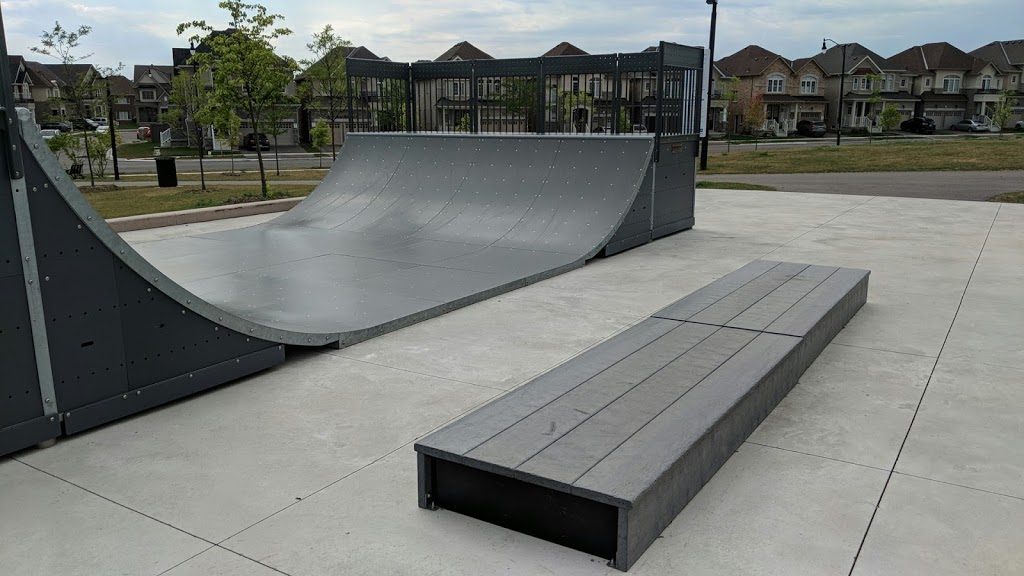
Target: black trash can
<point>166,172</point>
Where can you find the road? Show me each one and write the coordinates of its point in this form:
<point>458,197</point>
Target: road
<point>718,146</point>
<point>979,186</point>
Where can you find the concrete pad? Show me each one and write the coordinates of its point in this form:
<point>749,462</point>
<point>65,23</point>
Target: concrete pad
<point>900,322</point>
<point>140,236</point>
<point>51,527</point>
<point>999,275</point>
<point>770,512</point>
<point>216,464</point>
<point>220,562</point>
<point>370,524</point>
<point>500,343</point>
<point>988,332</point>
<point>925,527</point>
<point>852,404</point>
<point>970,429</point>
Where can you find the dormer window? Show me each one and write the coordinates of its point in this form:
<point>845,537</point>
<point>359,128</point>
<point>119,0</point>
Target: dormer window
<point>809,85</point>
<point>776,84</point>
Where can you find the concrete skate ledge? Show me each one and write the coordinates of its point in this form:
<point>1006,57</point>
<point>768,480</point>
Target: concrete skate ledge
<point>146,221</point>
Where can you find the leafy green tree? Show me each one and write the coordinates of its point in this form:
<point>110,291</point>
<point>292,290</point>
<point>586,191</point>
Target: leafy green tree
<point>325,87</point>
<point>247,74</point>
<point>465,125</point>
<point>320,133</point>
<point>1004,108</point>
<point>227,126</point>
<point>570,102</point>
<point>99,148</point>
<point>392,106</point>
<point>754,117</point>
<point>276,116</point>
<point>62,44</point>
<point>64,143</point>
<point>890,117</point>
<point>730,93</point>
<point>875,98</point>
<point>189,107</point>
<point>519,97</point>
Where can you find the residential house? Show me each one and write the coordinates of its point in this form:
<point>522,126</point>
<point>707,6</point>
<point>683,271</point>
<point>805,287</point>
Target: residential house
<point>791,91</point>
<point>722,98</point>
<point>443,103</point>
<point>1006,59</point>
<point>46,90</point>
<point>21,83</point>
<point>868,84</point>
<point>314,107</point>
<point>939,70</point>
<point>122,95</point>
<point>152,86</point>
<point>80,78</point>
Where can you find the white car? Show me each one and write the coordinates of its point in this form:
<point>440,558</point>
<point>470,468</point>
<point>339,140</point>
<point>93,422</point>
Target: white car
<point>102,129</point>
<point>49,133</point>
<point>1019,125</point>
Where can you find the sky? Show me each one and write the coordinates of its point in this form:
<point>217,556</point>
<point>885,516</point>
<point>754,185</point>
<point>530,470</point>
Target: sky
<point>142,32</point>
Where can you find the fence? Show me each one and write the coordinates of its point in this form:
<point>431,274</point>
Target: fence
<point>657,91</point>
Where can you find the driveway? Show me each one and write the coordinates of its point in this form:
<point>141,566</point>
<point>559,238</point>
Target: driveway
<point>978,186</point>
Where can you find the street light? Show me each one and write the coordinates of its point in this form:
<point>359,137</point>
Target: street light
<point>711,67</point>
<point>842,85</point>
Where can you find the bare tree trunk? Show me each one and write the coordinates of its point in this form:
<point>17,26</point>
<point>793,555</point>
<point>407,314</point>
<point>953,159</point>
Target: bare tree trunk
<point>277,160</point>
<point>334,149</point>
<point>88,156</point>
<point>202,152</point>
<point>263,172</point>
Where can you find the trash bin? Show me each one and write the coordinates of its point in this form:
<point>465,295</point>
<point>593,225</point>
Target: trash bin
<point>166,172</point>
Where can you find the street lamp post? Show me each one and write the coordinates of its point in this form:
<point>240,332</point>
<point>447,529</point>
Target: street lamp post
<point>113,129</point>
<point>711,66</point>
<point>842,86</point>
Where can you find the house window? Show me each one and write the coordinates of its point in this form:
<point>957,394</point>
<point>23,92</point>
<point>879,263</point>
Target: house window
<point>148,94</point>
<point>776,84</point>
<point>122,116</point>
<point>55,112</point>
<point>903,82</point>
<point>927,82</point>
<point>122,100</point>
<point>951,84</point>
<point>986,82</point>
<point>459,89</point>
<point>890,81</point>
<point>575,84</point>
<point>595,87</point>
<point>809,85</point>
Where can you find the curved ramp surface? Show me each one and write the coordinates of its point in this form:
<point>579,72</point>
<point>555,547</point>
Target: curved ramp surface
<point>403,228</point>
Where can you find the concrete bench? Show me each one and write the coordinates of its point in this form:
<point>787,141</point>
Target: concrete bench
<point>601,453</point>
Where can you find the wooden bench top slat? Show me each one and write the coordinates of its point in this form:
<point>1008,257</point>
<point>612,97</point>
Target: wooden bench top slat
<point>572,455</point>
<point>634,467</point>
<point>803,316</point>
<point>768,309</point>
<point>532,434</point>
<point>708,295</point>
<point>484,423</point>
<point>747,295</point>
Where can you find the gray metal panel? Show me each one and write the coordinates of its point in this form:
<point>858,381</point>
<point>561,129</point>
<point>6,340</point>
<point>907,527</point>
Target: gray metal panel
<point>636,227</point>
<point>479,426</point>
<point>675,186</point>
<point>20,398</point>
<point>529,436</point>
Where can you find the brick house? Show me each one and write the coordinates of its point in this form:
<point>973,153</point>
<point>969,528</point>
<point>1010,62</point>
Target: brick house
<point>313,108</point>
<point>939,71</point>
<point>1005,71</point>
<point>866,72</point>
<point>151,86</point>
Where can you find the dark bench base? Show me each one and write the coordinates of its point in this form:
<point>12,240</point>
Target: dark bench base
<point>601,453</point>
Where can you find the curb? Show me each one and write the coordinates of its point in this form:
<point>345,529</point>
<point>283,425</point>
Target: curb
<point>146,221</point>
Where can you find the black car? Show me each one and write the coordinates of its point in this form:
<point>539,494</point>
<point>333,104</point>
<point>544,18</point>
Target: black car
<point>62,126</point>
<point>814,128</point>
<point>249,141</point>
<point>919,125</point>
<point>84,124</point>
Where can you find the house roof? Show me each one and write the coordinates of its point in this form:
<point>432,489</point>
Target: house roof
<point>19,72</point>
<point>69,73</point>
<point>750,61</point>
<point>41,75</point>
<point>934,56</point>
<point>120,85</point>
<point>928,96</point>
<point>1003,54</point>
<point>463,51</point>
<point>831,60</point>
<point>565,49</point>
<point>152,74</point>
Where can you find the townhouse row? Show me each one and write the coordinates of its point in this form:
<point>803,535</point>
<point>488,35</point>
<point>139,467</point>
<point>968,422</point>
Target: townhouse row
<point>936,80</point>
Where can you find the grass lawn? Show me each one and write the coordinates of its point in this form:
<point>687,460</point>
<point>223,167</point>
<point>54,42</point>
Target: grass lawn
<point>145,150</point>
<point>240,176</point>
<point>1005,153</point>
<point>733,186</point>
<point>1009,197</point>
<point>115,202</point>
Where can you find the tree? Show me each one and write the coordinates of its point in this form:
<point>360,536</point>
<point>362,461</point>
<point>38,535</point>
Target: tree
<point>99,147</point>
<point>276,115</point>
<point>890,117</point>
<point>1004,108</point>
<point>730,93</point>
<point>570,102</point>
<point>754,116</point>
<point>326,85</point>
<point>519,97</point>
<point>247,74</point>
<point>320,134</point>
<point>189,106</point>
<point>875,99</point>
<point>227,125</point>
<point>65,143</point>
<point>62,44</point>
<point>391,105</point>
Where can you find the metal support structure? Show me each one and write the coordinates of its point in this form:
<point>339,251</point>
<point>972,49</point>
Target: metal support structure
<point>348,91</point>
<point>711,67</point>
<point>842,87</point>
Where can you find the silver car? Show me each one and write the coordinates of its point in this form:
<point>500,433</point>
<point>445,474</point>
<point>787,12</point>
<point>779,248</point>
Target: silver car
<point>969,126</point>
<point>48,133</point>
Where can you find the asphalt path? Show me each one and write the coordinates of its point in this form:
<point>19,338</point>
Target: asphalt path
<point>979,186</point>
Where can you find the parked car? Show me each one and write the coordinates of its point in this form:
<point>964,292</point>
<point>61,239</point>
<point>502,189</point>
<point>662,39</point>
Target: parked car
<point>969,126</point>
<point>1019,125</point>
<point>918,124</point>
<point>104,129</point>
<point>61,126</point>
<point>249,141</point>
<point>99,121</point>
<point>143,133</point>
<point>83,124</point>
<point>814,128</point>
<point>48,133</point>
